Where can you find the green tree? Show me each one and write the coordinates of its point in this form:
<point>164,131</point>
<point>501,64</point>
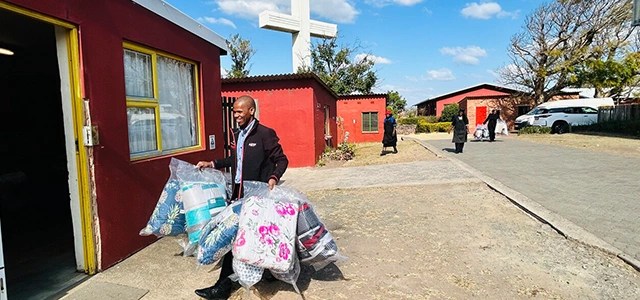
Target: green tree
<point>608,77</point>
<point>449,112</point>
<point>556,38</point>
<point>337,66</point>
<point>395,102</point>
<point>241,52</point>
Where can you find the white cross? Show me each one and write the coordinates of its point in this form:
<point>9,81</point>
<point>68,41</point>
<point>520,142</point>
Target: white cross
<point>300,25</point>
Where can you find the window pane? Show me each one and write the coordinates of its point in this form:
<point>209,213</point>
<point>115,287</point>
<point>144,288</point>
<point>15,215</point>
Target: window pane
<point>374,122</point>
<point>138,76</point>
<point>365,122</point>
<point>176,94</point>
<point>142,130</point>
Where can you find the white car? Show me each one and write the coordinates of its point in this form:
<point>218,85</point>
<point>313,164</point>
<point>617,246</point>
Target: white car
<point>560,114</point>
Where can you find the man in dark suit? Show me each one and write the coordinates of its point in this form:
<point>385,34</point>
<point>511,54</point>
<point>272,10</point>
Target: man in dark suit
<point>257,156</point>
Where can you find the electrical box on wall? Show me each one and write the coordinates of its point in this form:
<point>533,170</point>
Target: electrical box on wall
<point>212,142</point>
<point>90,136</point>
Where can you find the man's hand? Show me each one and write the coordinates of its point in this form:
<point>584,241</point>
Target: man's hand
<point>204,164</point>
<point>272,183</point>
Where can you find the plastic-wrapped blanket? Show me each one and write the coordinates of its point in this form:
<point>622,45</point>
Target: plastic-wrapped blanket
<point>266,234</point>
<point>168,218</point>
<point>315,244</point>
<point>218,235</point>
<point>246,274</point>
<point>481,132</point>
<point>204,195</point>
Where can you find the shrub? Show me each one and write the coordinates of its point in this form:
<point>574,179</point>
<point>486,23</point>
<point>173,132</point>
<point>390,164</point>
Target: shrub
<point>426,127</point>
<point>619,127</point>
<point>449,112</point>
<point>535,130</point>
<point>344,151</point>
<point>431,119</point>
<point>409,121</point>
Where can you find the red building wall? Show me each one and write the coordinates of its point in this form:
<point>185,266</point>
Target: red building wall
<point>127,192</point>
<point>350,109</point>
<point>289,107</point>
<point>455,99</point>
<point>323,98</point>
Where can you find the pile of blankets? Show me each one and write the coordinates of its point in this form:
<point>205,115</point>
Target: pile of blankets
<point>273,230</point>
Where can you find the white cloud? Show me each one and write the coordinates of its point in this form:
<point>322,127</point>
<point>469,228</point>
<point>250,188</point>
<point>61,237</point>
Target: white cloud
<point>443,74</point>
<point>493,73</point>
<point>223,72</point>
<point>466,56</point>
<point>376,59</point>
<point>486,11</point>
<point>222,21</point>
<point>427,11</point>
<point>382,3</point>
<point>341,11</point>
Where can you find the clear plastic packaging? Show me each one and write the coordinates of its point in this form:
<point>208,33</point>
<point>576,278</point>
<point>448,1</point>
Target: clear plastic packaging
<point>218,235</point>
<point>168,218</point>
<point>267,233</point>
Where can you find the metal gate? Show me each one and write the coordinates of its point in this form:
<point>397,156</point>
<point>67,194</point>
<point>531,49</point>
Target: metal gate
<point>228,124</point>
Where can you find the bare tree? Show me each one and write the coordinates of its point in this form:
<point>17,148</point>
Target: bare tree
<point>241,52</point>
<point>557,37</point>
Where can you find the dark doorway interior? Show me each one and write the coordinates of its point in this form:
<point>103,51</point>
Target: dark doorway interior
<point>34,195</point>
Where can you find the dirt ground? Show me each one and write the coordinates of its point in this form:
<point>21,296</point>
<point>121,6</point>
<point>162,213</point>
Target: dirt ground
<point>619,145</point>
<point>430,241</point>
<point>369,154</point>
<point>450,242</point>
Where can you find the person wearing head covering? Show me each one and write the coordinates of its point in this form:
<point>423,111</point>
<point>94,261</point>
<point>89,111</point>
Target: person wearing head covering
<point>492,119</point>
<point>390,138</point>
<point>460,127</point>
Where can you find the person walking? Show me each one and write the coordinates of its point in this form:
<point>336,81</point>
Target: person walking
<point>492,119</point>
<point>257,155</point>
<point>460,127</point>
<point>390,137</point>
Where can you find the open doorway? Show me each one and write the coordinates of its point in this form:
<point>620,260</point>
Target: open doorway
<point>35,202</point>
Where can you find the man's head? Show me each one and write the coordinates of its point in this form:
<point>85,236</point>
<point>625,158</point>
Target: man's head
<point>243,110</point>
<point>493,111</point>
<point>461,112</point>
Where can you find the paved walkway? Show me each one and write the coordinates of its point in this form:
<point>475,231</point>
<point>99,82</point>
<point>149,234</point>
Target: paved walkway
<point>597,191</point>
<point>403,174</point>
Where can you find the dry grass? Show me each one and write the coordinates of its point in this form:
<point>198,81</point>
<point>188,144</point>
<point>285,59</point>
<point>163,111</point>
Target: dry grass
<point>618,145</point>
<point>369,154</point>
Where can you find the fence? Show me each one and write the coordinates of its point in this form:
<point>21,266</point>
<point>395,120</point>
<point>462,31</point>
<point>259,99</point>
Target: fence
<point>619,113</point>
<point>228,124</point>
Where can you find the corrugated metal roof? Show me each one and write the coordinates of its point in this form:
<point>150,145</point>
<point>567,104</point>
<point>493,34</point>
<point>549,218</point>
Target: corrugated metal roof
<point>280,77</point>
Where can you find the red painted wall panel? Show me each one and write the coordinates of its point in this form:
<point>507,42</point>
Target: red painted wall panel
<point>455,99</point>
<point>128,191</point>
<point>324,99</point>
<point>350,111</point>
<point>288,106</point>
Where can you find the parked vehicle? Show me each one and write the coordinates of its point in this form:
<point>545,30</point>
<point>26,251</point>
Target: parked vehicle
<point>559,115</point>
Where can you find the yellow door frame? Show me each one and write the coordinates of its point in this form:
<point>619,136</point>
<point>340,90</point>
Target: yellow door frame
<point>73,53</point>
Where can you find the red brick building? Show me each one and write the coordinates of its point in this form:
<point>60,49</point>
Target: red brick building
<point>299,107</point>
<point>139,76</point>
<point>478,101</point>
<point>361,116</point>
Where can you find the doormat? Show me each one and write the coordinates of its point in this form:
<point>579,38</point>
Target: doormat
<point>106,291</point>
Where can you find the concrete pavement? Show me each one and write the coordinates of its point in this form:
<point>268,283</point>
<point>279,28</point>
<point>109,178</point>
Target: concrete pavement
<point>596,191</point>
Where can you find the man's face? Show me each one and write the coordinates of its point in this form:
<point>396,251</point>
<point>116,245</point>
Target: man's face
<point>242,113</point>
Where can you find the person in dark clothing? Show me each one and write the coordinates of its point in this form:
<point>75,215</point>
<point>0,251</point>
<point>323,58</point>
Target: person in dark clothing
<point>257,156</point>
<point>492,119</point>
<point>460,127</point>
<point>390,137</point>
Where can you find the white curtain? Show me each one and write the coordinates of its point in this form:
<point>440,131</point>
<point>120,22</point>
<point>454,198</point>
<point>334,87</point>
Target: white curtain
<point>142,130</point>
<point>176,93</point>
<point>138,76</point>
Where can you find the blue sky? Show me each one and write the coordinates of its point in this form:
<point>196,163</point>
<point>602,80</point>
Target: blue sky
<point>424,48</point>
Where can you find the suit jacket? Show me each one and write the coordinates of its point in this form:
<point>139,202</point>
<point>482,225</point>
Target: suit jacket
<point>263,157</point>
